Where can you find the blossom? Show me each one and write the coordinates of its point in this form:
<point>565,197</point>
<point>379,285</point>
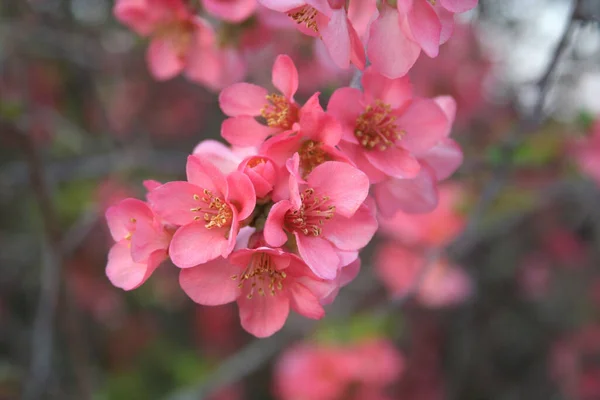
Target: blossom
<point>181,42</point>
<point>325,217</point>
<point>265,282</point>
<point>208,209</point>
<point>320,372</point>
<point>587,154</point>
<point>141,243</point>
<point>385,128</point>
<point>329,21</point>
<point>414,25</point>
<point>245,101</point>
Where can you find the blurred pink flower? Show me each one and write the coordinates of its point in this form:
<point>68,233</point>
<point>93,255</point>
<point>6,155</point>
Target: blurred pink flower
<point>208,208</point>
<point>360,371</point>
<point>587,153</point>
<point>265,282</point>
<point>230,10</point>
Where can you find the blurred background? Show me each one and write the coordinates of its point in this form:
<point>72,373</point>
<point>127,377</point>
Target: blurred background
<point>511,310</point>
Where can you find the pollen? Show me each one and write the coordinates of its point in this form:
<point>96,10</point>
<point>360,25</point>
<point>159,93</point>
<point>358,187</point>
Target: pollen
<point>311,156</point>
<point>376,127</point>
<point>214,211</point>
<point>262,276</point>
<point>278,112</point>
<point>307,16</point>
<point>312,214</point>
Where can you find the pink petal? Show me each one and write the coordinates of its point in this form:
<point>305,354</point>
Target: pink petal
<point>424,123</point>
<point>173,202</point>
<point>415,196</point>
<point>305,303</point>
<point>395,162</point>
<point>281,147</point>
<point>194,244</point>
<point>135,14</point>
<point>425,27</point>
<point>274,234</point>
<point>448,106</point>
<point>218,154</point>
<point>122,217</point>
<point>391,61</point>
<point>458,6</point>
<point>231,11</point>
<point>163,60</point>
<point>202,173</point>
<point>319,255</point>
<point>352,233</point>
<point>447,19</point>
<point>360,14</point>
<point>285,76</point>
<point>245,131</point>
<point>123,272</point>
<point>345,185</point>
<point>241,194</point>
<point>397,267</point>
<point>349,272</point>
<point>357,49</point>
<point>243,99</point>
<point>395,92</point>
<point>357,154</point>
<point>262,316</point>
<point>444,158</point>
<point>282,5</point>
<point>147,239</point>
<point>336,38</point>
<point>211,284</point>
<point>151,184</point>
<point>346,105</point>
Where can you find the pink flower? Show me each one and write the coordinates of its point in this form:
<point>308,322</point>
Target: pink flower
<point>141,243</point>
<point>414,25</point>
<point>314,372</point>
<point>181,42</point>
<point>208,208</point>
<point>245,101</point>
<point>399,268</point>
<point>230,10</point>
<point>328,20</point>
<point>587,154</point>
<point>265,282</point>
<point>325,217</point>
<point>433,229</point>
<point>385,128</point>
<point>314,141</point>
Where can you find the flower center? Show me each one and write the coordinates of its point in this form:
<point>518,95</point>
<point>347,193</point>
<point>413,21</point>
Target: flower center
<point>311,156</point>
<point>311,215</point>
<point>216,212</point>
<point>179,34</point>
<point>376,128</point>
<point>278,112</point>
<point>262,276</point>
<point>306,15</point>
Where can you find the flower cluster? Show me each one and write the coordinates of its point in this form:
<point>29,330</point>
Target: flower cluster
<point>215,55</point>
<point>276,221</point>
<point>360,370</point>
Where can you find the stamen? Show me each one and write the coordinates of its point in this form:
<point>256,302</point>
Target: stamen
<point>306,15</point>
<point>376,128</point>
<point>311,215</point>
<point>278,112</point>
<point>311,156</point>
<point>262,275</point>
<point>216,212</point>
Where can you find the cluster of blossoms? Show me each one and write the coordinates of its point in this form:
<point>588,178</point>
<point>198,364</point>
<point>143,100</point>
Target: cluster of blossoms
<point>276,220</point>
<point>360,370</point>
<point>183,39</point>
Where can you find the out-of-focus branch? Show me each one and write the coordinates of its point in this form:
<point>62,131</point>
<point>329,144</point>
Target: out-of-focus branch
<point>43,325</point>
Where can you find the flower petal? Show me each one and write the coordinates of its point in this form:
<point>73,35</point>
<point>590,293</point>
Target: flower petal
<point>242,99</point>
<point>458,6</point>
<point>264,315</point>
<point>173,201</point>
<point>395,92</point>
<point>204,174</point>
<point>122,217</point>
<point>336,37</point>
<point>395,162</point>
<point>352,233</point>
<point>194,244</point>
<point>418,195</point>
<point>305,303</point>
<point>425,27</point>
<point>274,233</point>
<point>425,123</point>
<point>444,158</point>
<point>319,255</point>
<point>285,76</point>
<point>126,274</point>
<point>211,284</point>
<point>345,185</point>
<point>163,60</point>
<point>241,194</point>
<point>245,131</point>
